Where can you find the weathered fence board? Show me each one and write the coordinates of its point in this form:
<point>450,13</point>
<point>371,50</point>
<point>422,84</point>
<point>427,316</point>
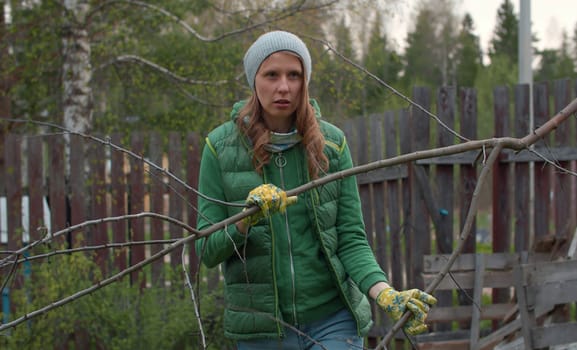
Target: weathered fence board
<point>118,198</point>
<point>56,185</point>
<point>522,218</point>
<point>35,167</point>
<point>542,171</point>
<point>136,199</point>
<point>157,190</point>
<point>193,164</point>
<point>176,201</point>
<point>564,219</point>
<point>420,230</point>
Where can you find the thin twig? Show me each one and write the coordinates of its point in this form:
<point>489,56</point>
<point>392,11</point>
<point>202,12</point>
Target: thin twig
<point>192,296</point>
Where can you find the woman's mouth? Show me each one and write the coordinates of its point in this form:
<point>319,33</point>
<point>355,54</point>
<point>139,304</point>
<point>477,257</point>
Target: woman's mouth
<point>282,103</point>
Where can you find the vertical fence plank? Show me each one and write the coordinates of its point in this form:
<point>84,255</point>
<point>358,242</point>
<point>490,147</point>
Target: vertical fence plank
<point>13,176</point>
<point>77,200</point>
<point>562,214</point>
<point>136,205</point>
<point>380,243</point>
<point>393,205</point>
<point>445,173</point>
<point>78,188</point>
<point>57,190</point>
<point>35,187</point>
<point>522,218</point>
<point>501,214</point>
<point>468,100</point>
<point>405,146</point>
<point>361,151</point>
<point>542,172</point>
<point>393,197</point>
<point>445,187</point>
<point>501,181</point>
<point>118,197</point>
<point>380,223</point>
<point>193,164</point>
<point>574,184</point>
<point>157,190</point>
<point>97,180</point>
<point>421,241</point>
<point>564,221</point>
<point>176,191</point>
<point>468,171</point>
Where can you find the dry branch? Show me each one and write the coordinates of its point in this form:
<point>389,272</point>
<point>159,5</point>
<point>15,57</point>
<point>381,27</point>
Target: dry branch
<point>495,143</point>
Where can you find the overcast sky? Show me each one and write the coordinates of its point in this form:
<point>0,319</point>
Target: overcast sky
<point>549,18</point>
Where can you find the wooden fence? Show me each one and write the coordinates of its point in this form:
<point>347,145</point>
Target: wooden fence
<point>410,210</point>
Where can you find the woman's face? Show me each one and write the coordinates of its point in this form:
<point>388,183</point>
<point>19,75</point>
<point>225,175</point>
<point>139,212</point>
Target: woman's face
<point>278,85</point>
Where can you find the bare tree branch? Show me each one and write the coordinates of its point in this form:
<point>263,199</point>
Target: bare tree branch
<point>495,143</point>
<point>161,69</point>
<point>284,13</point>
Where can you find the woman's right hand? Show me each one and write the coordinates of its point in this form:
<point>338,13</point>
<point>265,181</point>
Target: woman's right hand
<point>270,199</point>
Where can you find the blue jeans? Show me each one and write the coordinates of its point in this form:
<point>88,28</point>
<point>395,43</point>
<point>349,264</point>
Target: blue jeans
<point>337,332</point>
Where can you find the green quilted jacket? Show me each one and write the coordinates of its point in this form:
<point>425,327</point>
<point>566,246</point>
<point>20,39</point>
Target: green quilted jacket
<point>293,268</point>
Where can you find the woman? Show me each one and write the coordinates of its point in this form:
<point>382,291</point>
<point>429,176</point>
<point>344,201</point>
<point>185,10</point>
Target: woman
<point>298,272</point>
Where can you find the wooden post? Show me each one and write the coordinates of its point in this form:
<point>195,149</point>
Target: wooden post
<point>78,189</point>
<point>157,191</point>
<point>193,152</point>
<point>542,171</point>
<point>421,140</point>
<point>445,187</point>
<point>468,97</point>
<point>136,205</point>
<point>176,192</point>
<point>521,182</point>
<point>118,201</point>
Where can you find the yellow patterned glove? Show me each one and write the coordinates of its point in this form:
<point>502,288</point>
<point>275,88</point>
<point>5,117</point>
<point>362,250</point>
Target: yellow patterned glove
<point>416,301</point>
<point>270,199</point>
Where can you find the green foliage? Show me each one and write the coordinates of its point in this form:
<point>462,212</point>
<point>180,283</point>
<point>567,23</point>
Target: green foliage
<point>469,55</point>
<point>556,63</point>
<point>182,82</point>
<point>420,61</point>
<point>501,72</point>
<point>505,41</point>
<point>338,85</point>
<point>118,316</point>
<point>383,62</point>
<point>33,70</point>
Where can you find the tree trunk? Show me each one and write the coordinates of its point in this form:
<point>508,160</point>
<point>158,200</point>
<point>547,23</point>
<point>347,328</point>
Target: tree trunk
<point>77,69</point>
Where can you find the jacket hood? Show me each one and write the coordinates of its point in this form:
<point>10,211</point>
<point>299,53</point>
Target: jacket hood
<point>237,107</point>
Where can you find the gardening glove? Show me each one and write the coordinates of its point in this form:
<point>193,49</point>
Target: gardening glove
<point>270,199</point>
<point>416,301</point>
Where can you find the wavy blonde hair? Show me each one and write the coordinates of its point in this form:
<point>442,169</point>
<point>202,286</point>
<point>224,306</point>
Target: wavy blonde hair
<point>305,122</point>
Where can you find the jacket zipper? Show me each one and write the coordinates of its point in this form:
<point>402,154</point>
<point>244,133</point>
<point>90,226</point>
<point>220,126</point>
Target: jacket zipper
<point>280,161</point>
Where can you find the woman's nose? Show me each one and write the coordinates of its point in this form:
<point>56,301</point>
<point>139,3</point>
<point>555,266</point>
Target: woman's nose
<point>283,84</point>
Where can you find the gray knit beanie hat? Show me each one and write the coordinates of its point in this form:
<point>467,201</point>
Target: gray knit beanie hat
<point>272,42</point>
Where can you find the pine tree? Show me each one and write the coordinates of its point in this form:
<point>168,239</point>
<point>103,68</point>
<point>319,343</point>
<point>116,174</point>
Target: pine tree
<point>422,63</point>
<point>469,56</point>
<point>556,63</point>
<point>383,61</point>
<point>505,41</point>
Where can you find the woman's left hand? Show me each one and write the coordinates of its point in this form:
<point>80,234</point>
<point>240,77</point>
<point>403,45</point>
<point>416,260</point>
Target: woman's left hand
<point>414,300</point>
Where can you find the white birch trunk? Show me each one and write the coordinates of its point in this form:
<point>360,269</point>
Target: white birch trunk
<point>77,69</point>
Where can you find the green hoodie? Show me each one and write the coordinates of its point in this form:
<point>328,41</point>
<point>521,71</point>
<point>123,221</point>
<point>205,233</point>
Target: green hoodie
<point>295,268</point>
